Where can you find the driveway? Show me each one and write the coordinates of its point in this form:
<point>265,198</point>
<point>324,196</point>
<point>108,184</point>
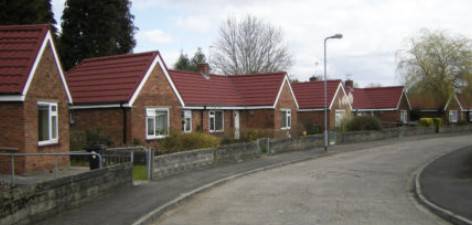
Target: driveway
<point>363,187</point>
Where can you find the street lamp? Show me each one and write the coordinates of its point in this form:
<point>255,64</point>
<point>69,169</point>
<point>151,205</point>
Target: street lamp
<point>325,84</point>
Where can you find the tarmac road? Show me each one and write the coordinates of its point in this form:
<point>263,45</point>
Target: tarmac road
<point>362,187</point>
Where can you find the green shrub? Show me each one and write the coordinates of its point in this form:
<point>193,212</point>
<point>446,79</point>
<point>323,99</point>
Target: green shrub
<point>437,122</point>
<point>358,123</point>
<point>180,142</point>
<point>254,134</point>
<point>425,122</point>
<point>95,138</point>
<point>78,140</point>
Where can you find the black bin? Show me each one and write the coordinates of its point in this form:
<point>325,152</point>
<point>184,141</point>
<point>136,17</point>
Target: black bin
<point>94,160</point>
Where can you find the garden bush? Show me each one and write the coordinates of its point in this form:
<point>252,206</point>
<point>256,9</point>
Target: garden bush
<point>425,122</point>
<point>254,134</point>
<point>180,142</point>
<point>312,128</point>
<point>358,123</point>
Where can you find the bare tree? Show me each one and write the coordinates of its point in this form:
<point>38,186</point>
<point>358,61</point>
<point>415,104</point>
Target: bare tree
<point>250,46</point>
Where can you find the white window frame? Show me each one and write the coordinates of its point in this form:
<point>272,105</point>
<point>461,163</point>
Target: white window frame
<point>51,140</point>
<point>212,114</point>
<point>152,114</point>
<point>336,122</point>
<point>186,115</point>
<point>404,116</point>
<point>288,119</point>
<point>453,116</point>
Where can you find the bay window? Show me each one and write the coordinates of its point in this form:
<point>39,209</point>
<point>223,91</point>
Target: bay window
<point>47,123</point>
<point>157,123</point>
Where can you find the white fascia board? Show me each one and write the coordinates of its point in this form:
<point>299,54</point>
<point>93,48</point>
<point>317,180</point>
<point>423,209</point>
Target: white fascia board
<point>369,110</point>
<point>96,106</point>
<point>47,39</point>
<point>311,110</point>
<point>157,60</point>
<point>11,98</point>
<point>280,92</point>
<point>228,107</point>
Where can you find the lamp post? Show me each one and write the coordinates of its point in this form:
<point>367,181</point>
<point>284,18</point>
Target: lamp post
<point>325,87</point>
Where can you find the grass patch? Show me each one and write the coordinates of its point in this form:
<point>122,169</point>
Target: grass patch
<point>139,172</point>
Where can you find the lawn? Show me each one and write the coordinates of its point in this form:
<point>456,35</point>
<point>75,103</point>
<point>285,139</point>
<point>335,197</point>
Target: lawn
<point>139,172</point>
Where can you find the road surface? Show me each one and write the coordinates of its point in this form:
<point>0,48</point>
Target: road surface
<point>370,186</point>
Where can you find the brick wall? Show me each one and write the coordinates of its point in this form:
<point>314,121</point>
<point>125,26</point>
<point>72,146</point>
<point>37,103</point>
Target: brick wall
<point>45,86</point>
<point>108,120</point>
<point>158,93</point>
<point>286,101</point>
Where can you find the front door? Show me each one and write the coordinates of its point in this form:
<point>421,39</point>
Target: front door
<point>236,124</point>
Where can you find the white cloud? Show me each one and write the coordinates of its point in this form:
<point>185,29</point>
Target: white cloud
<point>195,23</point>
<point>155,36</point>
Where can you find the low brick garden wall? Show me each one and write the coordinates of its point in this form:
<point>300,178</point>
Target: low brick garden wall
<point>27,204</point>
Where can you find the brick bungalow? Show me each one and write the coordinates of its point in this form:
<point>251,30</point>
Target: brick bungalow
<point>231,106</point>
<point>449,110</point>
<point>454,111</point>
<point>389,104</point>
<point>130,98</point>
<point>466,106</point>
<point>311,102</point>
<point>34,98</point>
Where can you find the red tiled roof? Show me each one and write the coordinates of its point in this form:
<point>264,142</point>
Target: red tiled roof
<point>110,79</point>
<point>310,94</point>
<point>19,47</point>
<point>220,90</point>
<point>377,98</point>
<point>424,102</point>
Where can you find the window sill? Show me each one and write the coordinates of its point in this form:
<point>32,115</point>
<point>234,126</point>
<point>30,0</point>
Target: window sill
<point>156,137</point>
<point>47,143</point>
<point>285,128</point>
<point>216,131</point>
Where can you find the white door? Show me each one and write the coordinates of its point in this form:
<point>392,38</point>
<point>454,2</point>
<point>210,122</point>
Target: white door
<point>236,124</point>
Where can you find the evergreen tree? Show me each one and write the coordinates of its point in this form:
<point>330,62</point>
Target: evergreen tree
<point>199,57</point>
<point>27,12</point>
<point>93,28</point>
<point>183,63</point>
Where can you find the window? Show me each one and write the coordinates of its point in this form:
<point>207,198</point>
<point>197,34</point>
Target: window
<point>404,116</point>
<point>470,116</point>
<point>47,123</point>
<point>338,117</point>
<point>186,121</point>
<point>157,123</point>
<point>216,121</point>
<point>285,118</point>
<point>453,116</point>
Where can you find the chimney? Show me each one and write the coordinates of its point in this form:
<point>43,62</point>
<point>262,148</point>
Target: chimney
<point>203,68</point>
<point>348,84</point>
<point>313,78</point>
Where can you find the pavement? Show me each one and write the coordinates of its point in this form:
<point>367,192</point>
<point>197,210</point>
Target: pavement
<point>371,186</point>
<point>447,182</point>
<point>128,204</point>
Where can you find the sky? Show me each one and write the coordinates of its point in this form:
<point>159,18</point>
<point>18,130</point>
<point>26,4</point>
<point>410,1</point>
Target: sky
<point>374,30</point>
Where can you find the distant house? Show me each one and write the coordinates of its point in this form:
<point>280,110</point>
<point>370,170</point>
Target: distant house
<point>389,104</point>
<point>451,111</point>
<point>466,106</point>
<point>129,98</point>
<point>34,98</point>
<point>310,97</point>
<point>230,106</point>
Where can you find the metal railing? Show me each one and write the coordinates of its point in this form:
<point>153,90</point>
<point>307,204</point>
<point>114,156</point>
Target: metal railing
<point>15,155</point>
